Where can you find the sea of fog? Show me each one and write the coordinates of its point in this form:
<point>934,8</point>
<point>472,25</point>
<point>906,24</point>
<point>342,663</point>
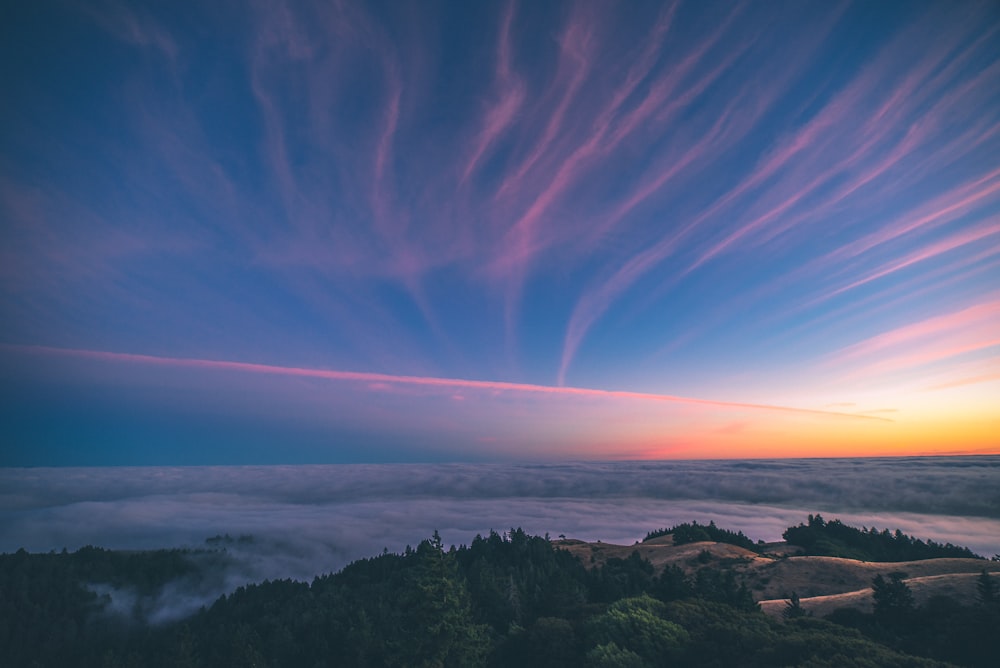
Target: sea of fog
<point>308,520</point>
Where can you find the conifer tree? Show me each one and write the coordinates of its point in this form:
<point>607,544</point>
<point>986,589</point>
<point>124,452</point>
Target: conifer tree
<point>793,608</point>
<point>987,590</point>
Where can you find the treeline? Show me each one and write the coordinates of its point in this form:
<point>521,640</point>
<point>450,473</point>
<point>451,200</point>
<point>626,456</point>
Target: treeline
<point>960,632</point>
<point>51,607</point>
<point>507,599</point>
<point>692,532</point>
<point>835,539</point>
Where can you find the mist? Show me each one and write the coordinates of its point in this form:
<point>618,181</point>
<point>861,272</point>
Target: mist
<point>310,520</point>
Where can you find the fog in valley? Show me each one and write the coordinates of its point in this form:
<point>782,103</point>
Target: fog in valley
<point>301,521</point>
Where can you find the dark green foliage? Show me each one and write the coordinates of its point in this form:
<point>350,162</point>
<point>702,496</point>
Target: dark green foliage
<point>550,641</point>
<point>517,578</point>
<point>637,625</point>
<point>672,584</point>
<point>254,624</point>
<point>720,634</point>
<point>941,629</point>
<point>893,599</point>
<point>507,599</point>
<point>721,586</point>
<point>50,611</point>
<point>722,637</point>
<point>695,533</point>
<point>619,578</point>
<point>836,539</point>
<point>611,655</point>
<point>817,643</point>
<point>987,592</point>
<point>436,627</point>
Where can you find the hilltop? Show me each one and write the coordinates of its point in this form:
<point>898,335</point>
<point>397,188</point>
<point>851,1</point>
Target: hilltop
<point>779,568</point>
<point>512,599</point>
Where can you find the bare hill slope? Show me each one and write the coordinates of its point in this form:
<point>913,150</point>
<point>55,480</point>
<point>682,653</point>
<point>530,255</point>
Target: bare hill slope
<point>822,583</point>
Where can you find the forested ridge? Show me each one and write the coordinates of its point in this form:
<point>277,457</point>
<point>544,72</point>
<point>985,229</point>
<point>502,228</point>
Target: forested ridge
<point>835,539</point>
<point>692,532</point>
<point>506,599</point>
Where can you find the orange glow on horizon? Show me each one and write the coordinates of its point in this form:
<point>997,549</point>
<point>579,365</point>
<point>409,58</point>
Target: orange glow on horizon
<point>524,421</point>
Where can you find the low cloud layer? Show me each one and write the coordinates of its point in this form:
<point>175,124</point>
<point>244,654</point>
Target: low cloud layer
<point>315,519</point>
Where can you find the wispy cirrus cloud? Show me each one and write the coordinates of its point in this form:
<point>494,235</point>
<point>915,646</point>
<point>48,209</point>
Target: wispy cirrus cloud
<point>378,380</point>
<point>510,95</point>
<point>681,197</point>
<point>135,27</point>
<point>968,330</point>
<point>818,170</point>
<point>968,380</point>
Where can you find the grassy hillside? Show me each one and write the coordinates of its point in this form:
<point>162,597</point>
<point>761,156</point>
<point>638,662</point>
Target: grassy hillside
<point>508,599</point>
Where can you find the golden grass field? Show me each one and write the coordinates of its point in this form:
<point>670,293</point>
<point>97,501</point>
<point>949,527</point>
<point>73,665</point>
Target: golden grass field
<point>822,583</point>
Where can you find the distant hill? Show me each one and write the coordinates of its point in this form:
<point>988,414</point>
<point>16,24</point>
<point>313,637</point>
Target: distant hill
<point>775,574</point>
<point>836,539</point>
<point>692,532</point>
<point>511,599</point>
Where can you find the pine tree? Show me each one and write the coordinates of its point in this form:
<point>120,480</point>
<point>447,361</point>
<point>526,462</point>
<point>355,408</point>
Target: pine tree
<point>793,608</point>
<point>437,626</point>
<point>893,598</point>
<point>987,589</point>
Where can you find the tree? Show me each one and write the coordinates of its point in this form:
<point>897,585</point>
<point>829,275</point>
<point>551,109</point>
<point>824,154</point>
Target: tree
<point>637,626</point>
<point>551,641</point>
<point>793,608</point>
<point>437,627</point>
<point>987,590</point>
<point>893,598</point>
<point>611,655</point>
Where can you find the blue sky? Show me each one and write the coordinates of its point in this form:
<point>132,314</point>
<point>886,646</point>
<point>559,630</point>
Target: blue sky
<point>295,232</point>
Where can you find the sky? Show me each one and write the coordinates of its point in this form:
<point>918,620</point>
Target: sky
<point>327,232</point>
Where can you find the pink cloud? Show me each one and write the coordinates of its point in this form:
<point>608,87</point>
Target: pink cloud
<point>873,133</point>
<point>597,300</point>
<point>387,222</point>
<point>966,380</point>
<point>942,209</point>
<point>951,335</point>
<point>575,61</point>
<point>661,102</point>
<point>928,252</point>
<point>612,125</point>
<point>952,347</point>
<point>974,316</point>
<point>373,380</point>
<point>932,71</point>
<point>510,96</point>
<point>813,152</point>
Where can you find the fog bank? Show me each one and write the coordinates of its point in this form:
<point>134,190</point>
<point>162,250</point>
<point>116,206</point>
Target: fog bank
<point>308,520</point>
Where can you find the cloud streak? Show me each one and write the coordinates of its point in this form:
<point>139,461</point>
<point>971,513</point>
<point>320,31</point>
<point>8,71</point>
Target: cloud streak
<point>817,171</point>
<point>689,199</point>
<point>921,343</point>
<point>374,380</point>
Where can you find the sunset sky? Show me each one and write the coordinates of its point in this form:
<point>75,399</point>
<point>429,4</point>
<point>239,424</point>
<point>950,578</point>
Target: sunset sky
<point>255,232</point>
